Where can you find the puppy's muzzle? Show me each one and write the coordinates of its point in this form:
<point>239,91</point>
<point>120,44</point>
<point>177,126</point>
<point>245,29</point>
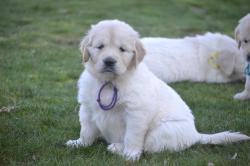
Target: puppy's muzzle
<point>109,64</point>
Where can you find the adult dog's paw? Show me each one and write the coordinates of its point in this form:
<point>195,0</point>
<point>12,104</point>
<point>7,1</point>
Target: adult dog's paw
<point>116,148</point>
<point>132,154</point>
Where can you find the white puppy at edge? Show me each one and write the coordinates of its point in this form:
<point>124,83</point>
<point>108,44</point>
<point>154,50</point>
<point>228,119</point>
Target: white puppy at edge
<point>149,115</point>
<point>242,35</point>
<point>212,58</point>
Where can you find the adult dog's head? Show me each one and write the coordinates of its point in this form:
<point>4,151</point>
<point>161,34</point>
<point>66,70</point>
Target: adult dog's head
<point>242,35</point>
<point>110,49</point>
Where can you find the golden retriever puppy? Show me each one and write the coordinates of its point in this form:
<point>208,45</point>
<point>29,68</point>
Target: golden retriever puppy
<point>242,35</point>
<point>212,58</point>
<point>122,101</point>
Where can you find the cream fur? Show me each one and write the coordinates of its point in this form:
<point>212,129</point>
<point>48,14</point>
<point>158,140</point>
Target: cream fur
<point>242,35</point>
<point>149,115</point>
<point>193,58</point>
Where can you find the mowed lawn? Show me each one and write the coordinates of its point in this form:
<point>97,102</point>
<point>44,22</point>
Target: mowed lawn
<point>40,64</point>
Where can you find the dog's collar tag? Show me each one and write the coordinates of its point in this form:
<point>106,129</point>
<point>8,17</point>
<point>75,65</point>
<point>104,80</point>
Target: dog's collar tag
<point>114,98</point>
<point>247,70</point>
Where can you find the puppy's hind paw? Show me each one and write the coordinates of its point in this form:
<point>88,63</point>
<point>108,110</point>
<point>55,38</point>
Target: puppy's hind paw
<point>74,143</point>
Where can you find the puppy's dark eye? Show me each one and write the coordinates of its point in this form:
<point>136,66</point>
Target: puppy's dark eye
<point>122,49</point>
<point>100,47</point>
<point>245,41</point>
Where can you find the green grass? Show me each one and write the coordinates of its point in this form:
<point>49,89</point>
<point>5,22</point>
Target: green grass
<point>40,64</point>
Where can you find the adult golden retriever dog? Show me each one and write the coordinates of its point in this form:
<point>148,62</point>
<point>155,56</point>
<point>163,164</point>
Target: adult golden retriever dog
<point>123,102</point>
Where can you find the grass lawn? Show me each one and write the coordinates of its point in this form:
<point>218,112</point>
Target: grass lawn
<point>40,64</point>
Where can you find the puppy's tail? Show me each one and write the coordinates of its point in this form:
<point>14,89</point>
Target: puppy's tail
<point>223,138</point>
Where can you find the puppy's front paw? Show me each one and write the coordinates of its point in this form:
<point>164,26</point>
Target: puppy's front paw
<point>132,154</point>
<point>74,143</point>
<point>242,96</point>
<point>116,148</point>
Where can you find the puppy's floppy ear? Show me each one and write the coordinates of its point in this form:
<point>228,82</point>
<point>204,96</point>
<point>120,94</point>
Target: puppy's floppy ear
<point>83,48</point>
<point>139,53</point>
<point>226,62</point>
<point>237,38</point>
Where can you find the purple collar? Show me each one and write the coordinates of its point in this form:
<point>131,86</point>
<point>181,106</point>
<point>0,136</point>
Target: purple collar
<point>114,98</point>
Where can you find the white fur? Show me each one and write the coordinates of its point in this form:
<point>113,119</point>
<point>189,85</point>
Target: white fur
<point>191,58</point>
<point>148,116</point>
<point>242,33</point>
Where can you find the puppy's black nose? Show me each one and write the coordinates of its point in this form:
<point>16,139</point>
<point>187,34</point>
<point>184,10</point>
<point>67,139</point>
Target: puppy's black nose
<point>110,62</point>
<point>248,57</point>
